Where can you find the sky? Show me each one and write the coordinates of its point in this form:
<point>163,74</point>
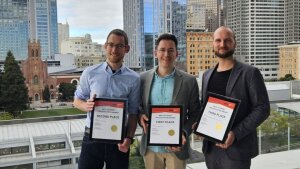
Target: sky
<point>96,17</point>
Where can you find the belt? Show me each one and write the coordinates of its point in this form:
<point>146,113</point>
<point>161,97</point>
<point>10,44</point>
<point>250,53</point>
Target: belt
<point>87,130</point>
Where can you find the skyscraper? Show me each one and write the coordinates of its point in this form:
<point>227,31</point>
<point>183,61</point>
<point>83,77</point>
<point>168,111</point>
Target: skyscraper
<point>63,34</point>
<point>212,14</point>
<point>21,20</point>
<point>14,28</point>
<point>43,25</point>
<point>195,15</point>
<point>145,20</point>
<point>259,30</point>
<point>292,21</point>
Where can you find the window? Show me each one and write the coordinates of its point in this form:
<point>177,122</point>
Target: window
<point>35,80</point>
<point>14,150</point>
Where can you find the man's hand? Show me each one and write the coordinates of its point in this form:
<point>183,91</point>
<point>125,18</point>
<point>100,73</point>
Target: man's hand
<point>89,105</point>
<point>177,148</point>
<point>83,105</point>
<point>229,141</point>
<point>125,146</point>
<point>144,122</point>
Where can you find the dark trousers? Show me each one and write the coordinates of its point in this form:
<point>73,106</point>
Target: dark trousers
<point>217,158</point>
<point>93,155</point>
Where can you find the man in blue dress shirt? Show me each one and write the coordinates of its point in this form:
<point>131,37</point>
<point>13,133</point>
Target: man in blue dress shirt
<point>110,79</point>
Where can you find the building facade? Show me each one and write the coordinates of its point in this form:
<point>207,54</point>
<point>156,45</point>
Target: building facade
<point>43,26</point>
<point>200,55</point>
<point>82,46</point>
<point>63,34</point>
<point>195,15</point>
<point>292,21</point>
<point>14,28</point>
<point>36,74</point>
<point>28,19</point>
<point>82,62</point>
<point>145,20</point>
<point>259,30</point>
<point>289,60</point>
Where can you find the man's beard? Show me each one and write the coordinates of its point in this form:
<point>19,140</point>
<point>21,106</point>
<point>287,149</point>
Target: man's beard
<point>225,55</point>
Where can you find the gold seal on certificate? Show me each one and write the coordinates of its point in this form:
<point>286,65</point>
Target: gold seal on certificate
<point>171,132</point>
<point>107,120</point>
<point>114,128</point>
<point>165,125</point>
<point>217,117</point>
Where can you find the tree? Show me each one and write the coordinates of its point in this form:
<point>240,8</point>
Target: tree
<point>46,94</point>
<point>67,90</point>
<point>275,124</point>
<point>287,77</point>
<point>14,93</point>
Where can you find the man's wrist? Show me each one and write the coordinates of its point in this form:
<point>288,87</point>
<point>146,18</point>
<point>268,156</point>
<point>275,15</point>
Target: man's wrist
<point>131,139</point>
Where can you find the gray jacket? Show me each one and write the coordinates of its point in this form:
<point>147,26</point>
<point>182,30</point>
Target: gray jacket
<point>246,84</point>
<point>186,93</point>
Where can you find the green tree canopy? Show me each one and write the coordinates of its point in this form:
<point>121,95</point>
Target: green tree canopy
<point>14,93</point>
<point>275,124</point>
<point>67,91</point>
<point>46,94</point>
<point>287,77</point>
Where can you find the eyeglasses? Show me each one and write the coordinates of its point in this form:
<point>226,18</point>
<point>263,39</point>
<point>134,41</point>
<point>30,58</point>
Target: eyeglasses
<point>169,51</point>
<point>117,46</point>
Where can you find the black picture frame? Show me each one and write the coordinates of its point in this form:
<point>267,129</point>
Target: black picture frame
<point>225,100</point>
<point>179,129</point>
<point>112,102</point>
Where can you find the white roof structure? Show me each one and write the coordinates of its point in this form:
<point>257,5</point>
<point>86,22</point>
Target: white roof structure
<point>34,137</point>
<point>295,106</point>
<point>278,160</point>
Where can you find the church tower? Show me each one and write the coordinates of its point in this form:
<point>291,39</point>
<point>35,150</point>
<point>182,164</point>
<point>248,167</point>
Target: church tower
<point>35,71</point>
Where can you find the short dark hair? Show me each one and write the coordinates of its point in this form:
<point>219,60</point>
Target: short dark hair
<point>118,32</point>
<point>166,36</point>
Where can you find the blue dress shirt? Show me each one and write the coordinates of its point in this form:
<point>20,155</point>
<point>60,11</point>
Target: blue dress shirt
<point>99,79</point>
<point>161,94</point>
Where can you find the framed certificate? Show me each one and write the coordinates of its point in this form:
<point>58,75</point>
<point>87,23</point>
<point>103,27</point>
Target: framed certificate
<point>217,117</point>
<point>108,120</point>
<point>165,123</point>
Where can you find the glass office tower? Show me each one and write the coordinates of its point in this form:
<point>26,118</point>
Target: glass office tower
<point>13,28</point>
<point>155,17</point>
<point>21,20</point>
<point>43,25</point>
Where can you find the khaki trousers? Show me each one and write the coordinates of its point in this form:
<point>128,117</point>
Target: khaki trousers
<point>154,160</point>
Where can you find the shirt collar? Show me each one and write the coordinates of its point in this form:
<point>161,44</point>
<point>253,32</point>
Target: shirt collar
<point>108,68</point>
<point>171,75</point>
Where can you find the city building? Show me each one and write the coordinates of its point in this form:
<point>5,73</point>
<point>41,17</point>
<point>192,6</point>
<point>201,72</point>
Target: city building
<point>61,62</point>
<point>259,30</point>
<point>28,19</point>
<point>85,61</point>
<point>63,34</point>
<point>145,20</point>
<point>36,73</point>
<point>195,15</point>
<point>289,60</point>
<point>200,55</point>
<point>14,28</point>
<point>212,14</point>
<point>43,26</point>
<point>82,46</point>
<point>292,21</point>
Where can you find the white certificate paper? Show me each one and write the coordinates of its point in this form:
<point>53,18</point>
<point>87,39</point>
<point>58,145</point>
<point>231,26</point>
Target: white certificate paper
<point>216,117</point>
<point>165,127</point>
<point>108,120</point>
